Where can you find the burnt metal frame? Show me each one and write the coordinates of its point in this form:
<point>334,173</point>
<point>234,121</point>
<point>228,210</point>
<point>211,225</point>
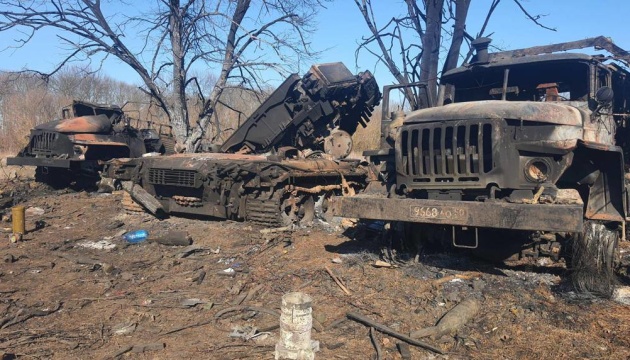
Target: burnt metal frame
<point>501,215</point>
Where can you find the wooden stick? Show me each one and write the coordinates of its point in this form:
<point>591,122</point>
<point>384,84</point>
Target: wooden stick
<point>377,347</point>
<point>201,323</point>
<point>345,290</point>
<point>384,329</point>
<point>248,308</point>
<point>336,323</point>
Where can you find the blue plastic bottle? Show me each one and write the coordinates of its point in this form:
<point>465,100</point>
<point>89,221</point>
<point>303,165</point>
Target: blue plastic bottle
<point>136,236</point>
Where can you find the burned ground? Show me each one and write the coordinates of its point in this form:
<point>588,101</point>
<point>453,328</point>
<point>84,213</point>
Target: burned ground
<point>60,298</point>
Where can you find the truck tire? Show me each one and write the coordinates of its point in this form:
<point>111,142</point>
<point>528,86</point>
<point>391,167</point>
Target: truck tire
<point>592,259</point>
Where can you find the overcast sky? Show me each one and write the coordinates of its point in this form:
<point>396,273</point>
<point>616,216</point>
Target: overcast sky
<point>340,28</point>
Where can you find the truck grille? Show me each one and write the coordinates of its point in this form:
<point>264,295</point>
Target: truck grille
<point>172,177</point>
<point>440,152</point>
<point>43,142</point>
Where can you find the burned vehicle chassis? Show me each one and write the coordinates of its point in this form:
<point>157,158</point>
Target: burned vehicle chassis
<point>279,167</point>
<point>242,187</point>
<point>72,149</point>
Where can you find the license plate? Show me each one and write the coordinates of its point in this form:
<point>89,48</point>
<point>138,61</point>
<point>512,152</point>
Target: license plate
<point>439,212</point>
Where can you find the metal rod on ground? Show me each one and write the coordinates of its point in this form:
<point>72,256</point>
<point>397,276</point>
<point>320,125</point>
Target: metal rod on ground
<point>384,329</point>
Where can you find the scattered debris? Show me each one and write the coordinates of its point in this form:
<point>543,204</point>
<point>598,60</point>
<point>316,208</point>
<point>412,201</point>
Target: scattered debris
<point>98,245</point>
<point>382,264</point>
<point>81,260</point>
<point>144,198</point>
<point>621,295</point>
<point>276,230</point>
<point>124,328</point>
<point>457,317</point>
<point>198,277</point>
<point>25,314</point>
<point>246,332</point>
<point>172,238</point>
<point>34,211</point>
<point>227,272</point>
<point>189,250</point>
<point>403,348</point>
<point>337,281</point>
<point>377,347</point>
<point>386,330</point>
<point>458,277</point>
<point>140,349</point>
<point>246,308</point>
<point>192,302</point>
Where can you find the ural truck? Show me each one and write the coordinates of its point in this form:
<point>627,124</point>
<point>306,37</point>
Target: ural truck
<point>72,148</point>
<point>279,167</point>
<point>527,157</point>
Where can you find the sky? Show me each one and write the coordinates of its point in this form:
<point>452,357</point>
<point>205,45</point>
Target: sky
<point>340,27</point>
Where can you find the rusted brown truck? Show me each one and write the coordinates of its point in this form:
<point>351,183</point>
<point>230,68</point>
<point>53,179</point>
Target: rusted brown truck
<point>527,157</point>
<point>72,149</point>
<point>279,167</point>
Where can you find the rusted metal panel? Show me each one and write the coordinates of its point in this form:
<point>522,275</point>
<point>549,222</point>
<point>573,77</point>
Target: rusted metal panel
<point>599,42</point>
<point>499,215</point>
<point>82,124</point>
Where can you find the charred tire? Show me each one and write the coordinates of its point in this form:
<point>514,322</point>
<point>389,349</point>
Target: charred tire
<point>592,258</point>
<point>56,178</point>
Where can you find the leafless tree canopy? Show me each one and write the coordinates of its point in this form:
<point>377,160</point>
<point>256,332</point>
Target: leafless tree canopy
<point>412,45</point>
<point>238,39</point>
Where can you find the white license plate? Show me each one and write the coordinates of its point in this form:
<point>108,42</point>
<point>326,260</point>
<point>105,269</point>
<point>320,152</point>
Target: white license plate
<point>439,212</point>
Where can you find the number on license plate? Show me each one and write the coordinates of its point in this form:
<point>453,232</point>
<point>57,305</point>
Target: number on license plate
<point>438,212</point>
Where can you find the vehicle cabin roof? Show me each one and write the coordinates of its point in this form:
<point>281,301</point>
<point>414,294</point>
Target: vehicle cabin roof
<point>84,108</point>
<point>497,60</point>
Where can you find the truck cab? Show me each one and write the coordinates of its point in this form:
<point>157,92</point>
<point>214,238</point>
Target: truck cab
<point>72,148</point>
<point>530,140</point>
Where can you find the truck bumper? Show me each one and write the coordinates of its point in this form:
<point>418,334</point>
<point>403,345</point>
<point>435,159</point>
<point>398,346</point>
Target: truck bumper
<point>500,215</point>
<point>47,162</point>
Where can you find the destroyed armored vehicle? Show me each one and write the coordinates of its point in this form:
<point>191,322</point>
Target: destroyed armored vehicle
<point>72,148</point>
<point>279,167</point>
<point>534,140</point>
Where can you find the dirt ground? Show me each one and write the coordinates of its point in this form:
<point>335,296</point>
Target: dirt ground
<point>60,298</point>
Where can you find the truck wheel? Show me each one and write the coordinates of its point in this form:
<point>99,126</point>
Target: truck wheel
<point>56,178</point>
<point>593,257</point>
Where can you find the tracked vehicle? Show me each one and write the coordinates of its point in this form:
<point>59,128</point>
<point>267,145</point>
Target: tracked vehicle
<point>533,145</point>
<point>72,148</point>
<point>281,166</point>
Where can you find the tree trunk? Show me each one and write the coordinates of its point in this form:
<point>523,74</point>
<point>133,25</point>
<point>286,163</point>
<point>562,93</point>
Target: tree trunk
<point>194,140</point>
<point>179,109</point>
<point>431,47</point>
<point>461,14</point>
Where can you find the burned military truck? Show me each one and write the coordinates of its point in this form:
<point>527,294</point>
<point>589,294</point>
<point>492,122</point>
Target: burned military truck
<point>280,167</point>
<point>532,140</point>
<point>71,148</point>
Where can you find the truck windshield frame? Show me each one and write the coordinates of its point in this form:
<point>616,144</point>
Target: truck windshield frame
<point>535,81</point>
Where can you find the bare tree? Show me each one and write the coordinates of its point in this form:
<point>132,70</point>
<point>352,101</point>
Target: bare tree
<point>435,23</point>
<point>241,39</point>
